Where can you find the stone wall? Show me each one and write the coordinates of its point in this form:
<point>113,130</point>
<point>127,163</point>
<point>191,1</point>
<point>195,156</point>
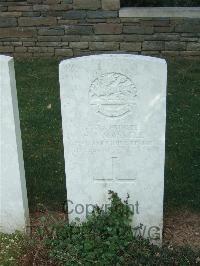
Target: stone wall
<point>66,28</point>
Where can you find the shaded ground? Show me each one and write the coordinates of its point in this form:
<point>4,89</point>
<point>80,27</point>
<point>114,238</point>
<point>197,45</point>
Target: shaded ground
<point>182,228</point>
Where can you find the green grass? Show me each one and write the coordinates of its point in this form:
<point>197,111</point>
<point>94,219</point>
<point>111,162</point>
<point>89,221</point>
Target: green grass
<point>182,175</point>
<point>38,87</point>
<point>12,247</point>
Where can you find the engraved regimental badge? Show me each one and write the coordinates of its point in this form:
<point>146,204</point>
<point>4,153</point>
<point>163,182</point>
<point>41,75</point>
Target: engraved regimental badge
<point>112,95</point>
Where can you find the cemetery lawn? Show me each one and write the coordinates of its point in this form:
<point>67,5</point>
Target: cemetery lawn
<point>39,104</point>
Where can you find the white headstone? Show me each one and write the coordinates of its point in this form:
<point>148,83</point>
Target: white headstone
<point>113,117</point>
<point>13,197</point>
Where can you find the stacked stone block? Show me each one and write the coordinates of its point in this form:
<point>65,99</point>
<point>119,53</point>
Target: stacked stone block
<point>67,28</point>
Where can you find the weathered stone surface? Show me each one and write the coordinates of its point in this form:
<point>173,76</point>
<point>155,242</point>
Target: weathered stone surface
<point>104,46</point>
<point>129,20</point>
<point>34,1</point>
<point>110,4</point>
<point>55,2</point>
<point>51,7</point>
<point>49,38</point>
<point>6,49</point>
<point>8,22</point>
<point>113,119</point>
<point>22,55</point>
<point>71,38</point>
<point>74,14</point>
<point>102,14</point>
<point>95,21</point>
<point>49,44</point>
<point>16,32</point>
<point>171,53</point>
<point>10,14</point>
<point>31,14</point>
<point>41,50</point>
<point>138,29</point>
<point>161,22</point>
<point>67,1</point>
<point>162,37</point>
<point>188,27</point>
<point>193,46</point>
<point>38,21</point>
<point>40,7</point>
<point>12,43</point>
<point>79,30</point>
<point>195,54</point>
<point>113,20</point>
<point>150,53</point>
<point>164,29</point>
<point>43,54</point>
<point>190,34</point>
<point>87,4</point>
<point>51,31</point>
<point>131,46</point>
<point>153,45</point>
<point>3,8</point>
<point>13,197</point>
<point>20,8</point>
<point>78,45</point>
<point>108,28</point>
<point>189,39</point>
<point>67,22</point>
<point>78,52</point>
<point>64,52</point>
<point>175,46</point>
<point>134,37</point>
<point>28,44</point>
<point>102,38</point>
<point>21,49</point>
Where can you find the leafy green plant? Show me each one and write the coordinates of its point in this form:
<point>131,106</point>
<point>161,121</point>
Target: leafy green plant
<point>106,238</point>
<point>103,238</point>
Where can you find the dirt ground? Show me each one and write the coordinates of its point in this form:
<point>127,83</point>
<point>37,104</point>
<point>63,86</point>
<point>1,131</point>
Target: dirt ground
<point>182,228</point>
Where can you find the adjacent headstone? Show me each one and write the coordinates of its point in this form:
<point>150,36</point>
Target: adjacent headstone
<point>13,198</point>
<point>113,117</point>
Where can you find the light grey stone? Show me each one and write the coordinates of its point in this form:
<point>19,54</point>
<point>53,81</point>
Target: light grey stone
<point>113,119</point>
<point>159,12</point>
<point>13,196</point>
